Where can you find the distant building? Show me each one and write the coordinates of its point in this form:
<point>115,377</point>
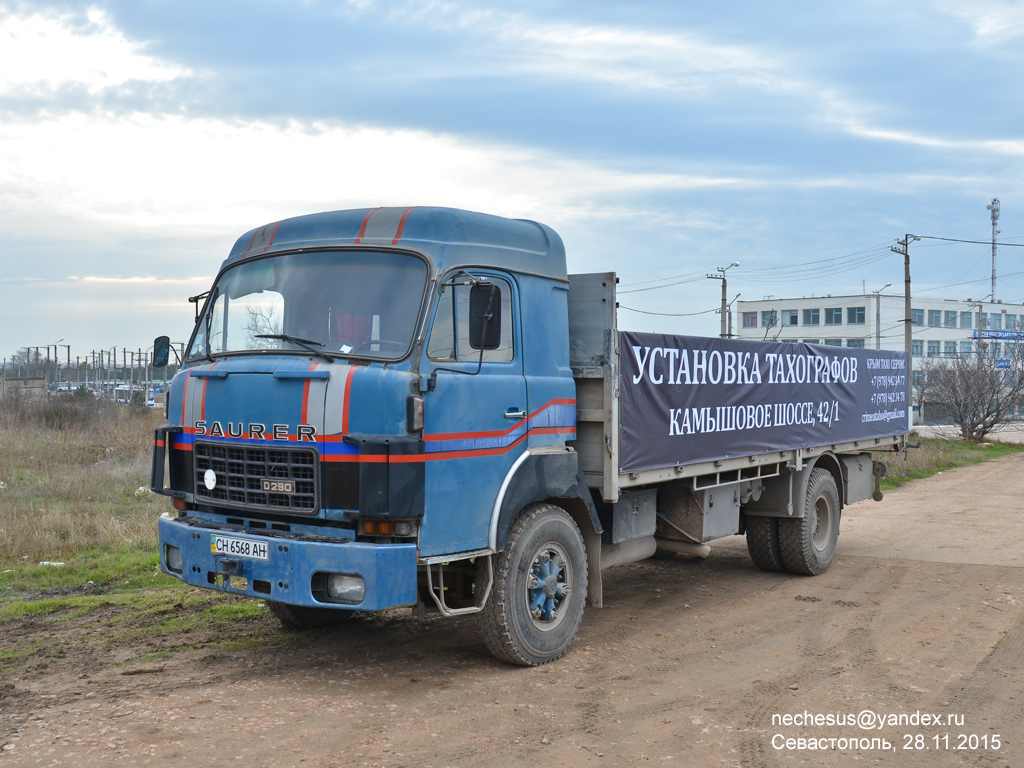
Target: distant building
<point>940,328</point>
<point>23,389</point>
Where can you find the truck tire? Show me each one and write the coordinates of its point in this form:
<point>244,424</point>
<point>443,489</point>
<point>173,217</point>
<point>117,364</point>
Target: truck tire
<point>298,618</point>
<point>540,588</point>
<point>808,544</point>
<point>763,543</point>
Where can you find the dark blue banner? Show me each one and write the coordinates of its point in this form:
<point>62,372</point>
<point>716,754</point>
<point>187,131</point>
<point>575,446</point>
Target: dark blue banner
<point>687,399</point>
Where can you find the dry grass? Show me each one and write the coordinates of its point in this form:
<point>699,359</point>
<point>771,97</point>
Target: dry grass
<point>936,455</point>
<point>71,469</point>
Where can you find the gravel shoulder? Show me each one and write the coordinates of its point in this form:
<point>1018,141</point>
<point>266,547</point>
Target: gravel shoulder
<point>921,612</point>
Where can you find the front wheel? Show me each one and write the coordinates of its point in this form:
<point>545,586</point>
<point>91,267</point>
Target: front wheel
<point>298,618</point>
<point>540,588</point>
<point>808,544</point>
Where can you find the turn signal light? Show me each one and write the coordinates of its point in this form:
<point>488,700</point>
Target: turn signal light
<point>378,527</point>
<point>414,413</point>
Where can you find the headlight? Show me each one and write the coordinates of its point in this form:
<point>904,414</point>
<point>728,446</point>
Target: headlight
<point>346,587</point>
<point>172,557</point>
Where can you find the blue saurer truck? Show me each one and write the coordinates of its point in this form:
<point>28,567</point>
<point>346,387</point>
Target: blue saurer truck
<point>419,407</point>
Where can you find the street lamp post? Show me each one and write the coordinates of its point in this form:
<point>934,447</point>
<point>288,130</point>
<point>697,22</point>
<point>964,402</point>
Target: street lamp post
<point>67,347</point>
<point>729,308</point>
<point>878,315</point>
<point>56,361</point>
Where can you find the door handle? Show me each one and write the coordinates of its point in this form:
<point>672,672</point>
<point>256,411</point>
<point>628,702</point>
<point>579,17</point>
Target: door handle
<point>511,413</point>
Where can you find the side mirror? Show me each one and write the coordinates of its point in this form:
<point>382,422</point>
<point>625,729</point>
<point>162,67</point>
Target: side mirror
<point>484,316</point>
<point>161,351</point>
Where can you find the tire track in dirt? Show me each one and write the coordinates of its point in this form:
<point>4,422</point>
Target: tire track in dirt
<point>990,698</point>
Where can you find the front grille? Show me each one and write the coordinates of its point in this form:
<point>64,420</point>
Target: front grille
<point>241,470</point>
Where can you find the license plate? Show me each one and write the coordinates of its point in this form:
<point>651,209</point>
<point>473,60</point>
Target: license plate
<point>278,486</point>
<point>229,545</point>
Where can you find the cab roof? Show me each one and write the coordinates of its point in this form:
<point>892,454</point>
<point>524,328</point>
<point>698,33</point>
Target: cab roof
<point>449,236</point>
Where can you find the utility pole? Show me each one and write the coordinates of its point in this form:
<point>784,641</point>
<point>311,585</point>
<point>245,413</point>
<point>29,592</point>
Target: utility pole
<point>905,253</point>
<point>907,340</point>
<point>994,207</point>
<point>725,333</point>
<point>878,315</point>
<point>982,344</point>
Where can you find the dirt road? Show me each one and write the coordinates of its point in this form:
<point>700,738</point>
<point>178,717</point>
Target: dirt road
<point>693,663</point>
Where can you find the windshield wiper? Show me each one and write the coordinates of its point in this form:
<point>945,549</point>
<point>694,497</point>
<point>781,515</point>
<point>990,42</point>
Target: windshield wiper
<point>307,344</point>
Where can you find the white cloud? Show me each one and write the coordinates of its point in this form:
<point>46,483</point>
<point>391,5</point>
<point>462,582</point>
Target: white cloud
<point>993,21</point>
<point>1006,147</point>
<point>621,56</point>
<point>47,50</point>
<point>140,280</point>
<point>173,178</point>
<point>188,176</point>
<point>687,64</point>
<point>638,59</point>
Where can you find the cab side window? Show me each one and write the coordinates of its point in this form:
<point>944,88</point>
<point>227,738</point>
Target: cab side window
<point>449,335</point>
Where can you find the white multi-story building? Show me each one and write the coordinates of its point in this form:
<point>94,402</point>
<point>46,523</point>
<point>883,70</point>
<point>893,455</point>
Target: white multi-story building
<point>939,327</point>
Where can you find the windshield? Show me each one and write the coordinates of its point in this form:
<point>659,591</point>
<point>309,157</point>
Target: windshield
<point>358,303</point>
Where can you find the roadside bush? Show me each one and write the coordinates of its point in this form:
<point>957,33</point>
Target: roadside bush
<point>65,411</point>
<point>68,411</point>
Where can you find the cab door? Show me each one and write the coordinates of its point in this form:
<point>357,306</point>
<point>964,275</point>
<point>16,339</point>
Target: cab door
<point>475,414</point>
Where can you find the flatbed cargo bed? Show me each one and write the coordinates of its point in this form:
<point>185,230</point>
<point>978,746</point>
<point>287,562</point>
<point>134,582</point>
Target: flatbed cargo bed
<point>595,357</point>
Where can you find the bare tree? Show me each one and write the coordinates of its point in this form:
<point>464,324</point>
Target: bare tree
<point>980,391</point>
<point>922,386</point>
<point>770,320</point>
<point>261,319</point>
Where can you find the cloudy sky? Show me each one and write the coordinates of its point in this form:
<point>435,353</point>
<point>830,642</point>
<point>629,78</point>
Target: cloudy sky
<point>662,140</point>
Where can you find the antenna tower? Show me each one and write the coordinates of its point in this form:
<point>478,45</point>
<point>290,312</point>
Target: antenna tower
<point>994,207</point>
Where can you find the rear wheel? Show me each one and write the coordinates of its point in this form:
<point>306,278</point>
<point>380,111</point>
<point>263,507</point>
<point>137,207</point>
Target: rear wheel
<point>763,543</point>
<point>808,544</point>
<point>298,618</point>
<point>540,587</point>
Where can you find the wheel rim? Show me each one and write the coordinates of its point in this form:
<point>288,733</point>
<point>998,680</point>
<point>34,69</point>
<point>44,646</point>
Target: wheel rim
<point>548,586</point>
<point>822,533</point>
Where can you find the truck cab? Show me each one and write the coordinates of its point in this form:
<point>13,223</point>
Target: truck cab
<point>364,407</point>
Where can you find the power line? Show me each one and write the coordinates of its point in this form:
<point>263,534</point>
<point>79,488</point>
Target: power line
<point>829,266</point>
<point>968,282</point>
<point>666,285</point>
<point>691,275</point>
<point>813,273</point>
<point>976,242</point>
<point>814,269</point>
<point>669,314</point>
<point>883,248</point>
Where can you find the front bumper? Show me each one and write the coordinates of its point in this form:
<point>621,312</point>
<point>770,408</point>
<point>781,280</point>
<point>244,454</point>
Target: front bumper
<point>290,573</point>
